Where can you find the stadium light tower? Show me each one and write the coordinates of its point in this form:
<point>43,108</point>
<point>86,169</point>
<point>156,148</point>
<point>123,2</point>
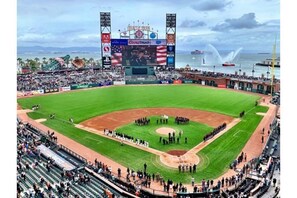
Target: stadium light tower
<point>105,30</point>
<point>171,39</point>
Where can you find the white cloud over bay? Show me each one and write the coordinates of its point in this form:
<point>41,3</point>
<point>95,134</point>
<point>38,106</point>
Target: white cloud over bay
<point>224,23</point>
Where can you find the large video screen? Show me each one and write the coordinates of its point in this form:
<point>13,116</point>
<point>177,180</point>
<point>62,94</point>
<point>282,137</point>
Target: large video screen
<point>138,55</point>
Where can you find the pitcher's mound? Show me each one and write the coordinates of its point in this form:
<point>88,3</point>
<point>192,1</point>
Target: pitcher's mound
<point>165,130</point>
<point>176,152</point>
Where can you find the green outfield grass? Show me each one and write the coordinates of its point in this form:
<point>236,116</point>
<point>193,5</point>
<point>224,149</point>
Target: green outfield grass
<point>193,131</point>
<point>82,105</point>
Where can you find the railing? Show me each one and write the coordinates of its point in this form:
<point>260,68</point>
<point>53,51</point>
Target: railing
<point>74,154</point>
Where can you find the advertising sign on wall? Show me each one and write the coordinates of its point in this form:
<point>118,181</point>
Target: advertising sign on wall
<point>119,82</point>
<point>65,88</point>
<point>51,90</point>
<point>177,82</point>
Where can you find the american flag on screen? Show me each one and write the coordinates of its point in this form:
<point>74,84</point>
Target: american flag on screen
<point>116,55</point>
<point>161,55</point>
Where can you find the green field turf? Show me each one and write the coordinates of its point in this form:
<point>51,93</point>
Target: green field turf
<point>83,105</point>
<point>193,131</point>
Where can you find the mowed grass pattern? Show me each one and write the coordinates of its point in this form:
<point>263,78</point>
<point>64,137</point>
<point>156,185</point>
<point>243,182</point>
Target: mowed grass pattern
<point>193,131</point>
<point>83,105</point>
<point>215,158</point>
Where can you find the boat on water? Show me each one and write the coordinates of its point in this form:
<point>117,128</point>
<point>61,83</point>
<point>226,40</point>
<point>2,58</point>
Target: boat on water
<point>268,62</point>
<point>195,52</point>
<point>228,64</point>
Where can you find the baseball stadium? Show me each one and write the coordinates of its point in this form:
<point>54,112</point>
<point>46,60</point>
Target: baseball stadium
<point>140,127</point>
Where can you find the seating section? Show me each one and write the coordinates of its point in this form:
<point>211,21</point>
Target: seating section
<point>38,176</point>
<point>259,181</point>
<point>50,80</point>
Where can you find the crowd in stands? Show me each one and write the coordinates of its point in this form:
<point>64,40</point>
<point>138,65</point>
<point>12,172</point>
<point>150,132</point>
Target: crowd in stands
<point>214,132</point>
<point>226,75</point>
<point>166,75</point>
<point>39,176</point>
<point>38,81</point>
<point>181,120</point>
<point>275,99</point>
<point>142,121</point>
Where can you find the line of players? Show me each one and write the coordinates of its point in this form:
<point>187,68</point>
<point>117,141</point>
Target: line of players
<point>145,121</point>
<point>214,132</point>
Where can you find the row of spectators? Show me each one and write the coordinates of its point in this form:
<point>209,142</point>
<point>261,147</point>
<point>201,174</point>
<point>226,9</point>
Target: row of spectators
<point>214,132</point>
<point>36,81</point>
<point>166,75</point>
<point>221,75</point>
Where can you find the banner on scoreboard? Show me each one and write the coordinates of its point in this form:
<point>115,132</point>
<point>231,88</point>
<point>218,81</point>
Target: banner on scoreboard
<point>105,37</point>
<point>170,39</point>
<point>119,41</point>
<point>106,60</point>
<point>106,49</point>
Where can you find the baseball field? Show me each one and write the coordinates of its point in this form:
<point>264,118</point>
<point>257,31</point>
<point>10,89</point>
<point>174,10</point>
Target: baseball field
<point>86,105</point>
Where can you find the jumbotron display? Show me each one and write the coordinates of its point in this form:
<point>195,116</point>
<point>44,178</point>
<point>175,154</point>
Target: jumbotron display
<point>138,52</point>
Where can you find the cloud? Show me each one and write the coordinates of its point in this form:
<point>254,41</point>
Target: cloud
<point>246,21</point>
<point>192,23</point>
<point>210,5</point>
<point>71,31</point>
<point>34,37</point>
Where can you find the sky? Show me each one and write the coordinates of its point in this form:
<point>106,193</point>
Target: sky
<point>226,24</point>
